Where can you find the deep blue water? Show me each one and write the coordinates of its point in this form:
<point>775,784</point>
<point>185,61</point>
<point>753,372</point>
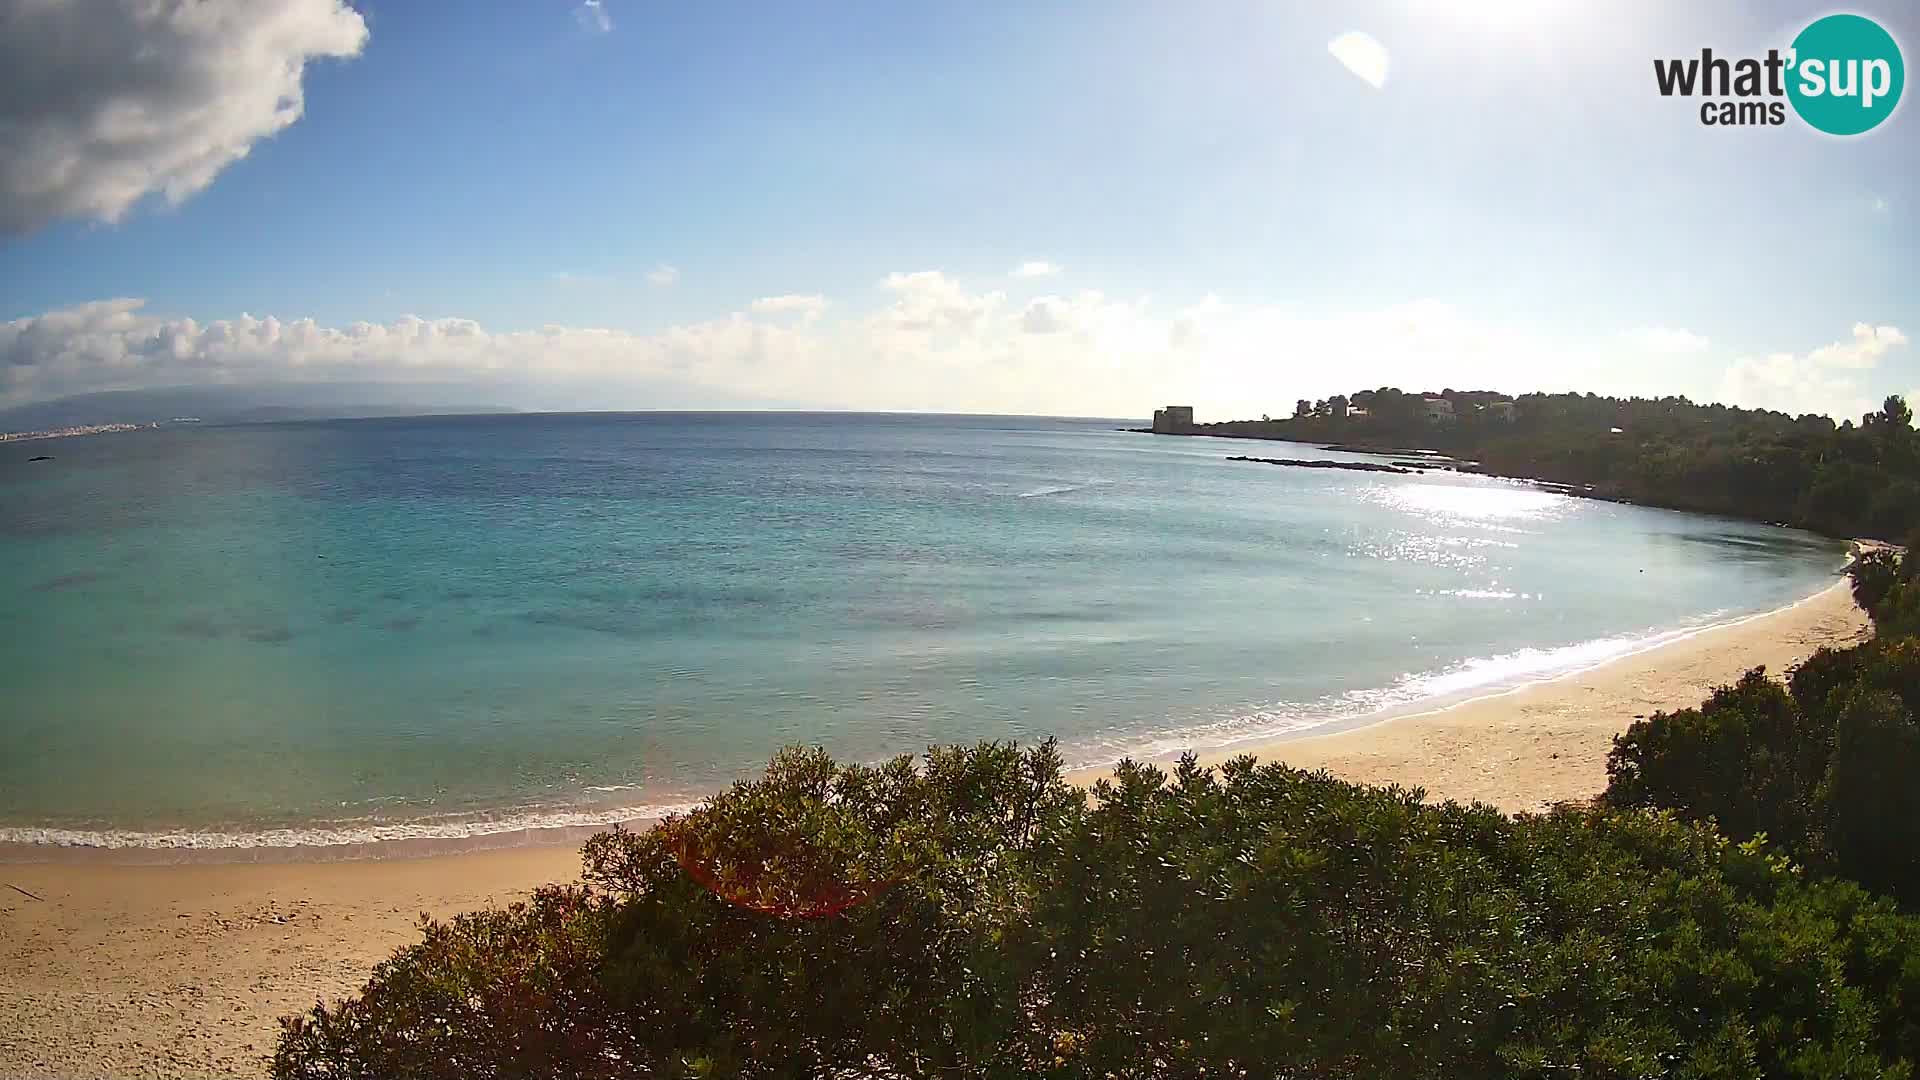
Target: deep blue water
<point>342,630</point>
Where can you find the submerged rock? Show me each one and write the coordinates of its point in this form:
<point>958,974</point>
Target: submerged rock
<point>1322,463</point>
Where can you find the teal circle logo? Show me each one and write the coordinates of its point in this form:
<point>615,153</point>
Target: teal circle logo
<point>1845,75</point>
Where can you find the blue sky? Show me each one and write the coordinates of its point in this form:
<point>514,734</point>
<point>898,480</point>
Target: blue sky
<point>1231,216</point>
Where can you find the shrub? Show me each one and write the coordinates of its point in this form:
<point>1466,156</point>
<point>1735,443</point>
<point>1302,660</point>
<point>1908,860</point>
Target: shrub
<point>1745,758</point>
<point>1822,767</point>
<point>975,916</point>
<point>1875,574</point>
<point>1869,804</point>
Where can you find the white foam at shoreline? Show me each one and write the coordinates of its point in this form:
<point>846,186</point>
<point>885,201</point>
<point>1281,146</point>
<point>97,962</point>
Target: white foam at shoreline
<point>319,836</point>
<point>1470,680</point>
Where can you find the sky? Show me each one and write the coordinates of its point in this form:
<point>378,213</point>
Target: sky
<point>1077,208</point>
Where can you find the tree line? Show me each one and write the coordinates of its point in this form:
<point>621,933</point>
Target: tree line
<point>1847,479</point>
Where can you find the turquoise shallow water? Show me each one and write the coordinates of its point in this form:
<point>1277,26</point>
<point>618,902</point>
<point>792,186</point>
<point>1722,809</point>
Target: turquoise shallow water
<point>332,632</point>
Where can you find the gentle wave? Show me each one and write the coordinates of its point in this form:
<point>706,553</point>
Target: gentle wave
<point>1467,680</point>
<point>336,835</point>
<point>1058,489</point>
<point>1477,677</point>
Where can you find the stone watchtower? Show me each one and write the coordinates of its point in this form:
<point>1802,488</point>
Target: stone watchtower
<point>1173,420</point>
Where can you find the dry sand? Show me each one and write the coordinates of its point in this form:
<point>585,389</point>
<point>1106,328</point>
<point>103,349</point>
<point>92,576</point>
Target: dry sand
<point>1547,743</point>
<point>182,970</point>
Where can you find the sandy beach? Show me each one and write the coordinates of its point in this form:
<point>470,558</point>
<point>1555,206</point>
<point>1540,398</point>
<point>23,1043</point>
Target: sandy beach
<point>182,970</point>
<point>1531,748</point>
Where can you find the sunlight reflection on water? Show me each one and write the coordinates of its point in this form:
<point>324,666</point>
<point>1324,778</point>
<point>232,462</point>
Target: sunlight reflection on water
<point>1449,503</point>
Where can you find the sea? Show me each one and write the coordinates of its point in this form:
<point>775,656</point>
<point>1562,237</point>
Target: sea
<point>327,633</point>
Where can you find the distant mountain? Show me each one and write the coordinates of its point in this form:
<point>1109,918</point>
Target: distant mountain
<point>232,405</point>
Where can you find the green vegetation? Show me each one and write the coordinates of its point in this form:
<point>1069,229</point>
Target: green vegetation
<point>1846,480</point>
<point>1732,907</point>
<point>1824,766</point>
<point>975,916</point>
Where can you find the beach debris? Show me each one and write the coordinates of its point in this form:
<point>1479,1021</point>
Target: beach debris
<point>25,893</point>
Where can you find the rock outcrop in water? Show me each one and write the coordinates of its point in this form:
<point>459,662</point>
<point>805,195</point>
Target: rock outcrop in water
<point>1322,463</point>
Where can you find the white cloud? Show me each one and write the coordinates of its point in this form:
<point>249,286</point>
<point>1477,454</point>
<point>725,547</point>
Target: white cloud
<point>808,306</point>
<point>1035,268</point>
<point>105,102</point>
<point>1362,55</point>
<point>1045,315</point>
<point>592,16</point>
<point>928,301</point>
<point>1192,323</point>
<point>1663,339</point>
<point>663,276</point>
<point>932,343</point>
<point>116,344</point>
<point>1864,351</point>
<point>1825,380</point>
<point>1088,311</point>
<point>1879,205</point>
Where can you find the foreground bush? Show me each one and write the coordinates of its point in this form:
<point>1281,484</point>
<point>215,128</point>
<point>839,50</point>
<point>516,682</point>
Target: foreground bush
<point>1823,766</point>
<point>1887,585</point>
<point>977,917</point>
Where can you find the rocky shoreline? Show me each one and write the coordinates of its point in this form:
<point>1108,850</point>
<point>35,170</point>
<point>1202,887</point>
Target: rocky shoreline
<point>1323,463</point>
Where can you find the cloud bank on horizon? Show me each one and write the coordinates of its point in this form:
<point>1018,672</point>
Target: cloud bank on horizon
<point>933,344</point>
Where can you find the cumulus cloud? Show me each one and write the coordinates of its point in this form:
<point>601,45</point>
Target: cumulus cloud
<point>117,344</point>
<point>1826,379</point>
<point>1035,268</point>
<point>1662,339</point>
<point>662,276</point>
<point>928,300</point>
<point>106,102</point>
<point>1086,311</point>
<point>1360,54</point>
<point>1044,315</point>
<point>930,342</point>
<point>809,305</point>
<point>1867,346</point>
<point>592,16</point>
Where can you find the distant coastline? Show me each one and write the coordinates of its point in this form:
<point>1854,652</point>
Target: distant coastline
<point>70,432</point>
<point>1840,479</point>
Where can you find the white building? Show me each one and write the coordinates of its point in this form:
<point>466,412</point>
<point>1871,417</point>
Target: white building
<point>1439,410</point>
